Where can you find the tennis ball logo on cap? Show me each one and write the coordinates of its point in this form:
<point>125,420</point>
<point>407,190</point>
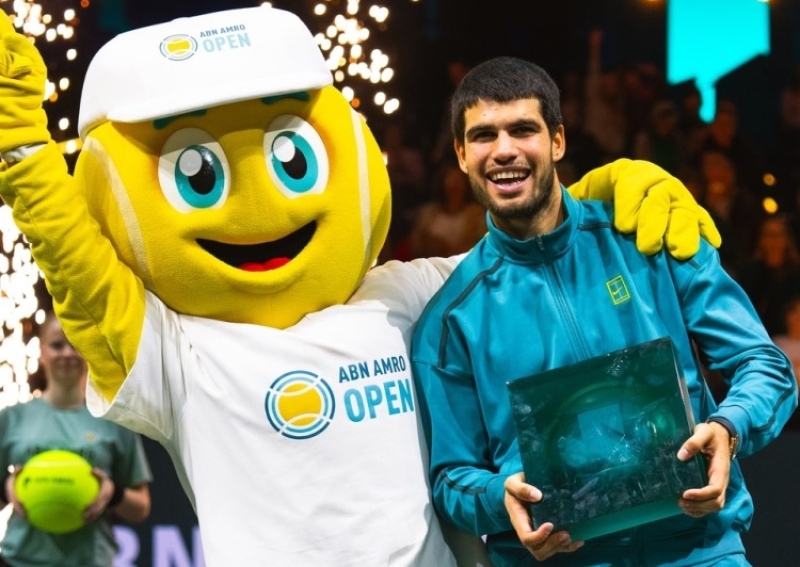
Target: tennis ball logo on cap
<point>55,487</point>
<point>178,47</point>
<point>299,405</point>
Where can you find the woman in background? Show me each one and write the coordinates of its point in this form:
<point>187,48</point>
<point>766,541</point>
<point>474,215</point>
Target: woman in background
<point>58,419</point>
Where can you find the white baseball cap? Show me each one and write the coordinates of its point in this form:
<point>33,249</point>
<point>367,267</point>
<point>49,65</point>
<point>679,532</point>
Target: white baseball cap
<point>193,63</point>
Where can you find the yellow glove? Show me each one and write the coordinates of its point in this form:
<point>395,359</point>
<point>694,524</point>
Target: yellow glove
<point>22,81</point>
<point>652,203</point>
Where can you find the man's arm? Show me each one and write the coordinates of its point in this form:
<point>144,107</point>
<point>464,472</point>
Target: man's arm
<point>762,388</point>
<point>465,489</point>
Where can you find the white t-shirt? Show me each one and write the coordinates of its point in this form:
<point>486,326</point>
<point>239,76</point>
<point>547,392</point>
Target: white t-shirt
<point>297,447</point>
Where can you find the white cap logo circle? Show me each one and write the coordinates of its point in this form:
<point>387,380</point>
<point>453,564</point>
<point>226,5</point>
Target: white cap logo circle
<point>178,47</point>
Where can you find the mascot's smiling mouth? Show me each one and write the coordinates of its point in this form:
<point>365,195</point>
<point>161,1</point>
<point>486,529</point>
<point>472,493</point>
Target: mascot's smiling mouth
<point>264,256</point>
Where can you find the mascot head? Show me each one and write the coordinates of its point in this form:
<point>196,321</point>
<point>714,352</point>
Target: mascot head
<point>228,172</point>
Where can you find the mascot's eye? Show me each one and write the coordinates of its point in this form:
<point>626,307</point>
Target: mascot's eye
<point>193,171</point>
<point>296,158</point>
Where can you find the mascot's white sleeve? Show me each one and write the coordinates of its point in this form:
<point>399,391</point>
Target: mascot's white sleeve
<point>98,299</point>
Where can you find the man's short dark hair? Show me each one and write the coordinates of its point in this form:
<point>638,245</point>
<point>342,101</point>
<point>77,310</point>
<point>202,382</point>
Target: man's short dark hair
<point>505,79</point>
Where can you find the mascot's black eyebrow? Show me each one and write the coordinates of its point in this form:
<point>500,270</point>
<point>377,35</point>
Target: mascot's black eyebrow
<point>304,96</point>
<point>161,123</point>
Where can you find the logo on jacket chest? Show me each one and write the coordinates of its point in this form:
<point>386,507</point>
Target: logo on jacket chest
<point>301,404</point>
<point>618,290</point>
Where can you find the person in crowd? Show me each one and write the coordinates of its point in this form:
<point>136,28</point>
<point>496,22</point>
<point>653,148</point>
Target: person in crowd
<point>784,158</point>
<point>583,153</point>
<point>661,141</point>
<point>735,210</point>
<point>605,117</point>
<point>405,163</point>
<point>789,342</point>
<point>772,276</point>
<point>643,84</point>
<point>441,148</point>
<point>693,129</point>
<point>59,419</point>
<point>451,223</point>
<point>789,339</point>
<point>725,135</point>
<point>553,284</point>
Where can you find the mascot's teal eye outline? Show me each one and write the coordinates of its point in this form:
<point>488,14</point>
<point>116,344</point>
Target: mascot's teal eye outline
<point>193,171</point>
<point>296,158</point>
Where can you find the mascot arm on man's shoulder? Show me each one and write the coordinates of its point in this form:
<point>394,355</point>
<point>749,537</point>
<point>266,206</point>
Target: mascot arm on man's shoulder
<point>651,202</point>
<point>99,301</point>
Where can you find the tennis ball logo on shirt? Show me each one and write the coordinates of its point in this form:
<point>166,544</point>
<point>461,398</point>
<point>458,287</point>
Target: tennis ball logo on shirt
<point>299,404</point>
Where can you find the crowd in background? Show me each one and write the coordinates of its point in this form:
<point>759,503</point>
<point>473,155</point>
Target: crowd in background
<point>752,194</point>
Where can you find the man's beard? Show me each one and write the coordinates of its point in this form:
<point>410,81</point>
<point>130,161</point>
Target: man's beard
<point>535,204</point>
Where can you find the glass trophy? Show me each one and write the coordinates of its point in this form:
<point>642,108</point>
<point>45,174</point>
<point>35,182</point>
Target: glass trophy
<point>600,440</point>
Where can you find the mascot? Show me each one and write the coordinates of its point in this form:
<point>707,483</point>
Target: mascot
<point>212,257</point>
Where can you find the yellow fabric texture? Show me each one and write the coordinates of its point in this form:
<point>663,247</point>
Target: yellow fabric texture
<point>22,79</point>
<point>651,202</point>
<point>97,298</point>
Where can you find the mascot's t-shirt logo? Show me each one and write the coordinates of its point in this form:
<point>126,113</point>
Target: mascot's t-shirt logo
<point>178,47</point>
<point>299,404</point>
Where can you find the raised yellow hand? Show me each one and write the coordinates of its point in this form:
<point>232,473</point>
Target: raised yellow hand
<point>23,76</point>
<point>652,203</point>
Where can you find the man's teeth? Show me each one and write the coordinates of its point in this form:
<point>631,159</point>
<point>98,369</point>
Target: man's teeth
<point>508,176</point>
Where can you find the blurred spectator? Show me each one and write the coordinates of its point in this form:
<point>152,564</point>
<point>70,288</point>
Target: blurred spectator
<point>405,163</point>
<point>772,277</point>
<point>450,224</point>
<point>724,135</point>
<point>582,152</point>
<point>443,143</point>
<point>694,130</point>
<point>661,141</point>
<point>790,106</point>
<point>735,211</point>
<point>644,84</point>
<point>786,157</point>
<point>604,109</point>
<point>789,342</point>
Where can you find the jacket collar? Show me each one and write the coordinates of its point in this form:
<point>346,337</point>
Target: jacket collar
<point>539,249</point>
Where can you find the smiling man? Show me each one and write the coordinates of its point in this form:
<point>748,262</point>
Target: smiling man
<point>535,295</point>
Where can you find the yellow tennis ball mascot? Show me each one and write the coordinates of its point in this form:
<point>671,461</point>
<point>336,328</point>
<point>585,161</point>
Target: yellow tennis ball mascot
<point>212,259</point>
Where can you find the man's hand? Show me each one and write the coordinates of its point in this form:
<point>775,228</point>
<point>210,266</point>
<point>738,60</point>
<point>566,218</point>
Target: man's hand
<point>23,75</point>
<point>713,441</point>
<point>542,543</point>
<point>652,203</point>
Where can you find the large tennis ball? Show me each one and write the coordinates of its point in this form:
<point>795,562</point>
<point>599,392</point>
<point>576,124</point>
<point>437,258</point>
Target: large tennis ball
<point>55,487</point>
